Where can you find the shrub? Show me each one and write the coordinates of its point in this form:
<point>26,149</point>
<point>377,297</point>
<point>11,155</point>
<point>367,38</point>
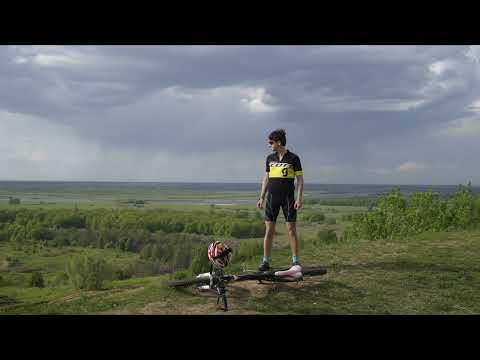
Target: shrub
<point>331,221</point>
<point>7,216</point>
<point>37,280</point>
<point>326,236</point>
<point>354,201</point>
<point>317,217</point>
<point>62,237</point>
<point>347,217</point>
<point>3,235</point>
<point>181,275</point>
<point>397,217</point>
<point>13,201</point>
<point>247,249</point>
<point>42,233</point>
<point>70,220</point>
<point>123,273</point>
<point>9,263</point>
<point>200,262</point>
<point>301,242</point>
<point>87,272</point>
<point>310,201</point>
<point>60,279</point>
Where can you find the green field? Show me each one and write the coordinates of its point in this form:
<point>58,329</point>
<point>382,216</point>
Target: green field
<point>428,273</point>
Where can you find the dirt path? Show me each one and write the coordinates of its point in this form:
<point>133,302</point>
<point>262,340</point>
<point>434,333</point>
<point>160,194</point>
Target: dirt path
<point>204,302</point>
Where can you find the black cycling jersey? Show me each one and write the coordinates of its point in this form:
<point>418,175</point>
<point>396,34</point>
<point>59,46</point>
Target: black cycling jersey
<point>281,174</point>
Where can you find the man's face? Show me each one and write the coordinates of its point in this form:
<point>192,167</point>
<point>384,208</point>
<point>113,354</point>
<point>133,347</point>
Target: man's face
<point>274,145</point>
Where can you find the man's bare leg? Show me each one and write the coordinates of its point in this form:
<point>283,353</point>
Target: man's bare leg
<point>292,234</point>
<point>268,239</point>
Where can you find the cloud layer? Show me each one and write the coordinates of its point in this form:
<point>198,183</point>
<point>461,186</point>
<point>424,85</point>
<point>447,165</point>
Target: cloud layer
<point>355,114</point>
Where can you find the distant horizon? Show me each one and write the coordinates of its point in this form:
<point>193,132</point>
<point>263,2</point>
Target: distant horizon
<point>224,182</point>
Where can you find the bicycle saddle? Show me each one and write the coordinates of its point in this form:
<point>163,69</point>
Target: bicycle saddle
<point>295,272</point>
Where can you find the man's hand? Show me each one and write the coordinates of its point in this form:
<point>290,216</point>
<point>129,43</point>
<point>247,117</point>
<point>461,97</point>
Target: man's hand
<point>298,204</point>
<point>260,203</point>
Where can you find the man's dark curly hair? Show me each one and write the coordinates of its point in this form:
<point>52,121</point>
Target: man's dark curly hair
<point>279,135</point>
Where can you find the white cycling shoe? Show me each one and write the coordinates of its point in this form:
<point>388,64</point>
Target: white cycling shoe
<point>294,273</point>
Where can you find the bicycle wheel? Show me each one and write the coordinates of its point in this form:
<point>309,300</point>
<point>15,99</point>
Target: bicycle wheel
<point>188,282</point>
<point>314,270</point>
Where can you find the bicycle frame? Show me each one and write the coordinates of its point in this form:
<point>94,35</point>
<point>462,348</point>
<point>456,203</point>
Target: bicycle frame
<point>217,280</point>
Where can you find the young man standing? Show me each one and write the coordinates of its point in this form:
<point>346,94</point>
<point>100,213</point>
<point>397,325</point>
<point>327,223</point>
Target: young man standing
<point>282,167</point>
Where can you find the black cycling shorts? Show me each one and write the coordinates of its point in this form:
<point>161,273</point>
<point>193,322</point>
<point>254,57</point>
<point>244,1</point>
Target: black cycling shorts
<point>285,200</point>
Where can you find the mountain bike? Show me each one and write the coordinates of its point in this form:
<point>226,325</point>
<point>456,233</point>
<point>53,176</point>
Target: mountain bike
<point>217,280</point>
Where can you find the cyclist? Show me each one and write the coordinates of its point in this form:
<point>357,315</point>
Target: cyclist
<point>282,167</point>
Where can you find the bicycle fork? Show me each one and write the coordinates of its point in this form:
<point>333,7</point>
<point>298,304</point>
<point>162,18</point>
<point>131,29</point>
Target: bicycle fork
<point>222,294</point>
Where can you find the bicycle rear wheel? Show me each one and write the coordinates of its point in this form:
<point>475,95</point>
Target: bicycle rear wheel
<point>314,271</point>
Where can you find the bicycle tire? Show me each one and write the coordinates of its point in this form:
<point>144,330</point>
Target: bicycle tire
<point>270,275</point>
<point>188,282</point>
<point>314,271</point>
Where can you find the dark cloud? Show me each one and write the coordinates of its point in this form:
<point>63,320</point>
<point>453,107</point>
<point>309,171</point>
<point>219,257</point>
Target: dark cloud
<point>333,100</point>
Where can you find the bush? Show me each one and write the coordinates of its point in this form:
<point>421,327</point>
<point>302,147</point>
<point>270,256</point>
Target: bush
<point>331,221</point>
<point>179,275</point>
<point>326,237</point>
<point>200,262</point>
<point>310,201</point>
<point>347,217</point>
<point>123,273</point>
<point>60,279</point>
<point>300,242</point>
<point>354,201</point>
<point>70,220</point>
<point>63,237</point>
<point>13,201</point>
<point>9,263</point>
<point>142,268</point>
<point>37,280</point>
<point>87,272</point>
<point>7,216</point>
<point>247,249</point>
<point>317,217</point>
<point>3,235</point>
<point>41,233</point>
<point>397,217</point>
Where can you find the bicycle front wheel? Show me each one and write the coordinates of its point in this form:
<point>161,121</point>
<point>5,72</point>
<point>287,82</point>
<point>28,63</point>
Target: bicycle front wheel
<point>188,282</point>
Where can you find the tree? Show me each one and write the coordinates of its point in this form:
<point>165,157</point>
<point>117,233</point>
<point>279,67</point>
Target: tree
<point>37,280</point>
<point>146,252</point>
<point>200,262</point>
<point>87,272</point>
<point>13,201</point>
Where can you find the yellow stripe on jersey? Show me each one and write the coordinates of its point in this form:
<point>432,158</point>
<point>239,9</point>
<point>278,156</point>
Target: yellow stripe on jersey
<point>297,173</point>
<point>279,170</point>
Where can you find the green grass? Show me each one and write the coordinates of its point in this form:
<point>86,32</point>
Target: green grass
<point>50,262</point>
<point>431,273</point>
<point>427,274</point>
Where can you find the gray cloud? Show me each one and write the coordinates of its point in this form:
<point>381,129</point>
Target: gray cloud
<point>354,113</point>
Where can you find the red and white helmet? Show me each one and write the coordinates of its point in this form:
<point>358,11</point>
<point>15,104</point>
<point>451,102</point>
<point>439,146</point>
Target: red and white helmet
<point>219,254</point>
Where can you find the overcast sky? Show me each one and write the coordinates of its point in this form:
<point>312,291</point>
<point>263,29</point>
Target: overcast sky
<point>354,114</point>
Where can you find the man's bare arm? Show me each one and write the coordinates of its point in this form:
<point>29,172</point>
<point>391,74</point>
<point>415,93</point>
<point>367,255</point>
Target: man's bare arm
<point>300,187</point>
<point>262,193</point>
<point>264,186</point>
